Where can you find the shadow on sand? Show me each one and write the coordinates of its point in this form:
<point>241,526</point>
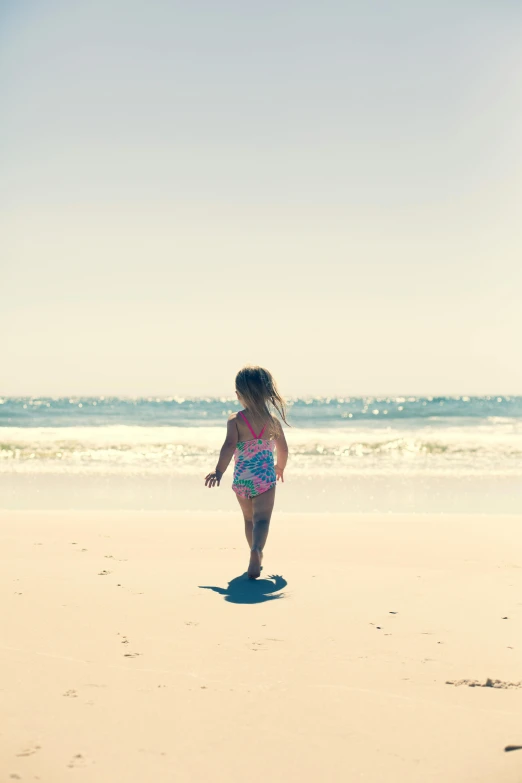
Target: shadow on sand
<point>242,590</point>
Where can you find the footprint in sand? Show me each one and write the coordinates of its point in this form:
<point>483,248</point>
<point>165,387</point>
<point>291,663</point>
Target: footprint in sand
<point>29,751</point>
<point>131,655</point>
<point>77,761</point>
<point>257,646</point>
<point>104,573</point>
<point>71,694</point>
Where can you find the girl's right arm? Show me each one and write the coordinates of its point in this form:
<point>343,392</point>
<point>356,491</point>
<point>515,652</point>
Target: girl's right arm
<point>282,452</point>
<point>226,453</point>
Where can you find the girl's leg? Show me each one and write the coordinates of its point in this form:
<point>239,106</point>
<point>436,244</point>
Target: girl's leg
<point>262,507</point>
<point>246,508</point>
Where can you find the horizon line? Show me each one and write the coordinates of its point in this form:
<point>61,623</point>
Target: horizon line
<point>300,396</point>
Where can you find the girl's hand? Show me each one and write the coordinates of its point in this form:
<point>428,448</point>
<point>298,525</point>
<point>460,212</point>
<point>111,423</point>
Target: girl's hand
<point>213,478</point>
<point>279,474</point>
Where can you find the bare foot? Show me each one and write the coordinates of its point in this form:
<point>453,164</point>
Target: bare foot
<point>254,567</point>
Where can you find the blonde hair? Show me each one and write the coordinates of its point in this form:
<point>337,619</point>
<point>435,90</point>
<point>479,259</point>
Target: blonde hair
<point>259,390</point>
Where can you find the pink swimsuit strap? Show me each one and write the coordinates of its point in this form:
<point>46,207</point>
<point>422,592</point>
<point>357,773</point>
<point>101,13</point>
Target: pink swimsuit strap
<point>250,427</point>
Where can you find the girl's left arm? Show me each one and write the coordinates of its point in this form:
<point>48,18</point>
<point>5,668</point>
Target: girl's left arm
<point>282,453</point>
<point>226,453</point>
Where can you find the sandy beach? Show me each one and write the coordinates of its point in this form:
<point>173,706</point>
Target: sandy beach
<point>353,658</point>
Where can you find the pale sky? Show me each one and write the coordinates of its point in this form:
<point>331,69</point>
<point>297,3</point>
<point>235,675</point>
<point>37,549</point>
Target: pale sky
<point>329,189</point>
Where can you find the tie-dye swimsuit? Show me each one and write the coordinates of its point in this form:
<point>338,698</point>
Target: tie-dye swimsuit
<point>254,471</point>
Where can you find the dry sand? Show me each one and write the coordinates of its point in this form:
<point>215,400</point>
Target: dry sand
<point>116,666</point>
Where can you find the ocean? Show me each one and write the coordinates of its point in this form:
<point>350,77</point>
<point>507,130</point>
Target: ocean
<point>403,453</point>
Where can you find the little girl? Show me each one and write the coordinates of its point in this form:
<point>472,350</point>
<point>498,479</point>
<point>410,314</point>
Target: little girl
<point>255,475</point>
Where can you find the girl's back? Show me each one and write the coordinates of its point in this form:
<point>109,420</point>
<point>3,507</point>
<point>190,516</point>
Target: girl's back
<point>249,428</point>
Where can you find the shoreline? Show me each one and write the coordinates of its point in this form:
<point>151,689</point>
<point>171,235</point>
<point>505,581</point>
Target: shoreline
<point>236,513</point>
<point>351,494</point>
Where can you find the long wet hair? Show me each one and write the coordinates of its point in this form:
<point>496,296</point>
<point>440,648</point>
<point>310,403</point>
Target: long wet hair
<point>259,390</point>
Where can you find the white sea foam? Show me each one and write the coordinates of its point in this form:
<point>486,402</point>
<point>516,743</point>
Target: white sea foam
<point>492,447</point>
